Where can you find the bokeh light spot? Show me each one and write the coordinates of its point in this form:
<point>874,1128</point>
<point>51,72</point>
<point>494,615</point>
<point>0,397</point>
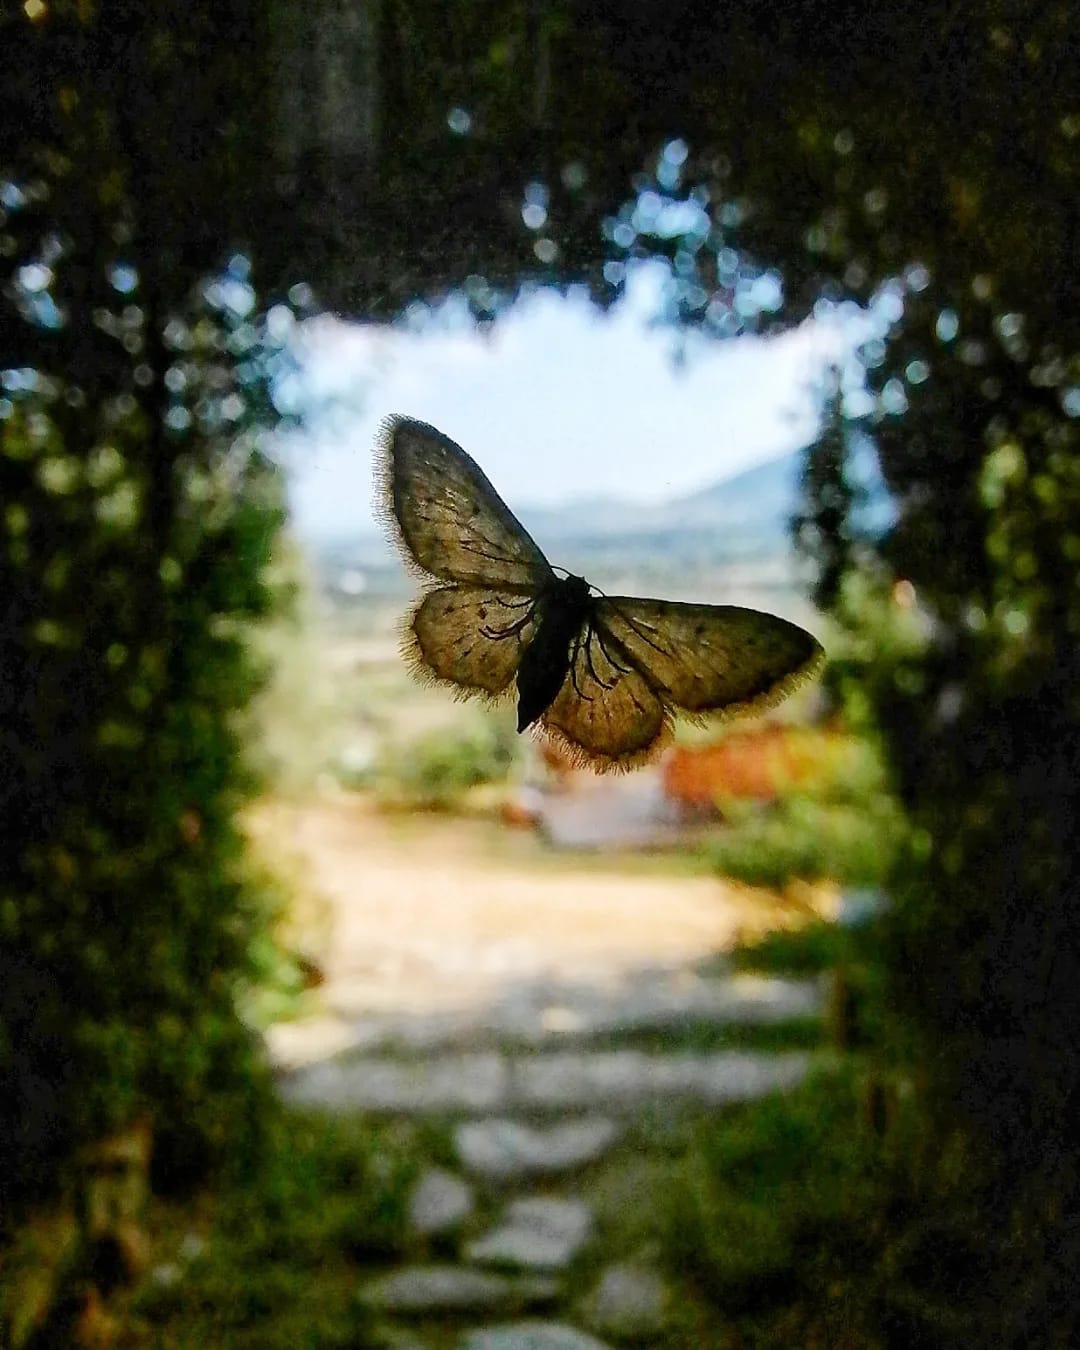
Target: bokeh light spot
<point>948,325</point>
<point>676,151</point>
<point>534,215</point>
<point>123,278</point>
<point>893,398</point>
<point>34,277</point>
<point>917,372</point>
<point>917,277</point>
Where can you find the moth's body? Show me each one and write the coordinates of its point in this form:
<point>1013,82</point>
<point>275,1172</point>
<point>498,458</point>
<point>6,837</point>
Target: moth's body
<point>603,674</point>
<point>562,611</point>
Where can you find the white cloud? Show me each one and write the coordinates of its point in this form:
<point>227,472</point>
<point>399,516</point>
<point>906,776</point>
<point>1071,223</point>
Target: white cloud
<point>556,401</point>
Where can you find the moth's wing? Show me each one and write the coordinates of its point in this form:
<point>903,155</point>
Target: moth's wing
<point>469,637</point>
<point>450,521</point>
<point>709,658</point>
<point>606,713</point>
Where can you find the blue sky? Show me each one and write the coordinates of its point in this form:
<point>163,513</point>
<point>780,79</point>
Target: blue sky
<point>555,402</point>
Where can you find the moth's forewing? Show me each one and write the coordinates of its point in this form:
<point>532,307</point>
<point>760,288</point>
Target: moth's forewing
<point>710,658</point>
<point>450,521</point>
<point>605,711</point>
<point>469,637</point>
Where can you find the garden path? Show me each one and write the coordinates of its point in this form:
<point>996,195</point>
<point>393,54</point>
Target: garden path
<point>540,1007</point>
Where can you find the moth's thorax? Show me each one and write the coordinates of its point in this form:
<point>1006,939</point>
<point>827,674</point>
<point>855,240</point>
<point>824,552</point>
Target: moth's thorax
<point>573,592</point>
<point>562,609</point>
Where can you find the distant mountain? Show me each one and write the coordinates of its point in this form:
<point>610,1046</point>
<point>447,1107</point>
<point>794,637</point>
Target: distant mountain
<point>764,497</point>
<point>754,504</point>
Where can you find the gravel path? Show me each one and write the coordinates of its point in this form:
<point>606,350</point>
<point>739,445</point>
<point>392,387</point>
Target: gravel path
<point>428,914</point>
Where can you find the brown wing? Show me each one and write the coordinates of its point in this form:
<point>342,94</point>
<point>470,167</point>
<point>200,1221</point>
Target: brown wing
<point>469,637</point>
<point>606,711</point>
<point>709,658</point>
<point>451,522</point>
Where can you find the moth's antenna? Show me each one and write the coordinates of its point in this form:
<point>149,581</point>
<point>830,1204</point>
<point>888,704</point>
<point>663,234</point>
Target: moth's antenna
<point>556,568</point>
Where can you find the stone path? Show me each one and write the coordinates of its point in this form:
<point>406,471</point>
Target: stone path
<point>492,1081</point>
<point>505,1150</point>
<point>541,1012</point>
<point>549,1098</point>
<point>538,1030</point>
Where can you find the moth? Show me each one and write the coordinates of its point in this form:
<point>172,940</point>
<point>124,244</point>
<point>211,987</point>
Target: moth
<point>602,674</point>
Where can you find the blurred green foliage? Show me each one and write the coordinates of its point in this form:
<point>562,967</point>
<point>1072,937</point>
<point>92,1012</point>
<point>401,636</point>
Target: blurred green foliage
<point>854,843</point>
<point>823,526</point>
<point>811,949</point>
<point>960,619</point>
<point>435,770</point>
<point>282,1245</point>
<point>138,524</point>
<point>847,828</point>
<point>126,907</point>
<point>829,1217</point>
<point>279,977</point>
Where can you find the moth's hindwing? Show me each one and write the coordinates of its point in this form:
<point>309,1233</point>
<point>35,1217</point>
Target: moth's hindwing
<point>470,637</point>
<point>606,713</point>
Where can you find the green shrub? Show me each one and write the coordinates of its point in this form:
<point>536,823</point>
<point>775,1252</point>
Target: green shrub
<point>436,769</point>
<point>844,825</point>
<point>279,1266</point>
<point>810,950</point>
<point>139,513</point>
<point>802,836</point>
<point>795,1219</point>
<point>136,538</point>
